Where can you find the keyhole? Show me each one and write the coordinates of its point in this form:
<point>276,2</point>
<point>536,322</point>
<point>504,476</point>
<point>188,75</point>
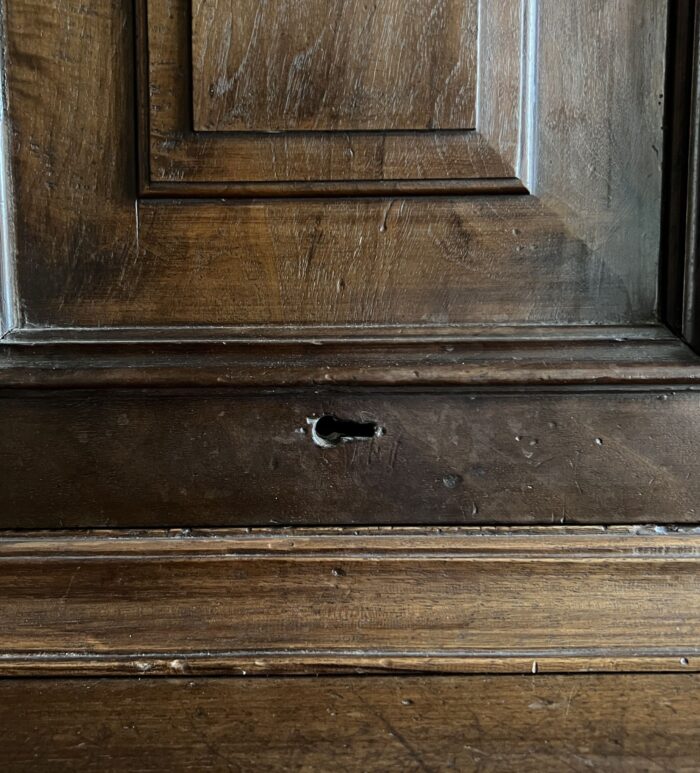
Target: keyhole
<point>329,431</point>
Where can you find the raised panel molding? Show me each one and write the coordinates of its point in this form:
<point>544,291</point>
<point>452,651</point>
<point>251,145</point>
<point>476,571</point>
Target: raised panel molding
<point>468,134</point>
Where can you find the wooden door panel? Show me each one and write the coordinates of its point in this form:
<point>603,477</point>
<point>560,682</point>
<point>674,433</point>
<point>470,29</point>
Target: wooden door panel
<point>315,65</point>
<point>539,278</point>
<point>440,228</point>
<point>581,248</point>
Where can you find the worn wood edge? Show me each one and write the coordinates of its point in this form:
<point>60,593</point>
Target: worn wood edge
<point>365,333</point>
<point>362,356</point>
<point>8,283</point>
<point>264,664</point>
<point>75,375</point>
<point>513,334</point>
<point>507,543</point>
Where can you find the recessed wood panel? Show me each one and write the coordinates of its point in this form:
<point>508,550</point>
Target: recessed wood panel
<point>334,65</point>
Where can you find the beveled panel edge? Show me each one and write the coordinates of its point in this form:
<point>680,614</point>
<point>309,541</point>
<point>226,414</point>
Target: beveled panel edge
<point>8,289</point>
<point>325,189</point>
<point>526,166</point>
<point>679,213</point>
<point>691,269</point>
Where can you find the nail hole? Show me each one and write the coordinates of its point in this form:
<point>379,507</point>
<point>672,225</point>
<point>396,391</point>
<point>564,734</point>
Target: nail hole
<point>329,431</point>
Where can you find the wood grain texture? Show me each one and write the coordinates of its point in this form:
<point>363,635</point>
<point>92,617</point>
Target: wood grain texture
<point>89,256</point>
<point>334,66</point>
<point>303,601</point>
<point>506,76</point>
<point>496,724</point>
<point>181,157</point>
<point>115,457</point>
<point>288,356</point>
<point>335,262</point>
<point>588,723</point>
<point>69,72</point>
<point>356,262</point>
<point>599,119</point>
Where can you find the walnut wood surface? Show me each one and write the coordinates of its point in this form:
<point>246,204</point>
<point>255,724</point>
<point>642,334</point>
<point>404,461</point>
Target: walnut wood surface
<point>293,162</point>
<point>341,600</point>
<point>487,298</point>
<point>584,250</point>
<point>496,724</point>
<point>329,66</point>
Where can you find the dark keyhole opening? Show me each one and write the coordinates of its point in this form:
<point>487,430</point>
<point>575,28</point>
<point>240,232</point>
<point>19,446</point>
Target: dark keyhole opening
<point>332,431</point>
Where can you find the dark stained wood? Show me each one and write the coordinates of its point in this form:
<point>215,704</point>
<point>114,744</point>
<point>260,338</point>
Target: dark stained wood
<point>117,457</point>
<point>691,315</point>
<point>349,262</point>
<point>499,724</point>
<point>364,261</point>
<point>73,154</point>
<point>584,250</point>
<point>304,601</point>
<point>359,357</point>
<point>677,123</point>
<point>89,255</point>
<point>285,160</point>
<point>341,262</point>
<point>456,262</point>
<point>334,66</point>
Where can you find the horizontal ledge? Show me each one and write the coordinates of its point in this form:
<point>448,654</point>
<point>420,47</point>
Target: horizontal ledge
<point>296,603</point>
<point>570,543</point>
<point>325,189</point>
<point>361,356</point>
<point>337,334</point>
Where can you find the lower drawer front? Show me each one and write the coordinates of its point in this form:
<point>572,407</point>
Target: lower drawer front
<point>497,723</point>
<point>148,458</point>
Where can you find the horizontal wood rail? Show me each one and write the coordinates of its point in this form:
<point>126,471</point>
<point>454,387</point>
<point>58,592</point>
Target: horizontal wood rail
<point>338,600</point>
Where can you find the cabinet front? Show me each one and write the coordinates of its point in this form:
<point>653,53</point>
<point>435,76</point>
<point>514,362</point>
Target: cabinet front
<point>346,262</point>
